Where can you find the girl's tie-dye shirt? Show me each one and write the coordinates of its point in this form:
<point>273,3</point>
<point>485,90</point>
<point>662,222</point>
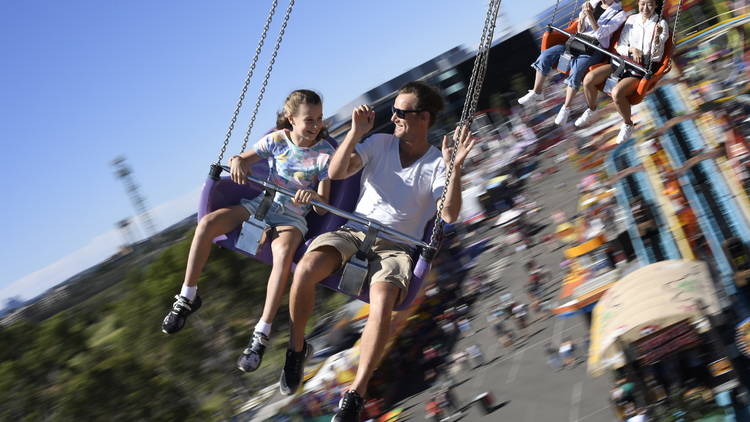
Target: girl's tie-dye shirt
<point>294,167</point>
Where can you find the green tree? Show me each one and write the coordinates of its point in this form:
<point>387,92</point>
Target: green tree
<point>120,388</point>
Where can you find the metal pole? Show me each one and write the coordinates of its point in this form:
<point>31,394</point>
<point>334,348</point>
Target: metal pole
<point>341,213</point>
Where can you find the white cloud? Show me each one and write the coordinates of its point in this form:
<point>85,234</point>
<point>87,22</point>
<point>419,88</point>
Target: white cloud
<point>97,250</point>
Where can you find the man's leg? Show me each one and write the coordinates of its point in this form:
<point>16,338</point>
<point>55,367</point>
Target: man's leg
<point>312,269</point>
<point>382,300</point>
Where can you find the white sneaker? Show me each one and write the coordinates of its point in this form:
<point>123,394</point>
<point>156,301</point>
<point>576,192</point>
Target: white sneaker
<point>585,118</point>
<point>562,116</point>
<point>530,98</point>
<point>626,131</point>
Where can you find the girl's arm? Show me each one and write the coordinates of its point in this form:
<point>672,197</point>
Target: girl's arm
<point>324,191</point>
<point>603,31</point>
<point>304,196</point>
<point>662,35</point>
<point>623,44</point>
<point>239,165</point>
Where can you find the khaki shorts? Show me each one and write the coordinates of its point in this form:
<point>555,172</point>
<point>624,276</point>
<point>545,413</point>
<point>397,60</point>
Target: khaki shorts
<point>390,262</point>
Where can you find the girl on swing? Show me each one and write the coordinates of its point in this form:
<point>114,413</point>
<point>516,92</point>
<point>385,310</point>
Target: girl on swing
<point>642,40</point>
<point>597,21</point>
<point>298,157</point>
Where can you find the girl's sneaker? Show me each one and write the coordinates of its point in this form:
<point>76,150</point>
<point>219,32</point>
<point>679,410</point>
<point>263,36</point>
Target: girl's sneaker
<point>562,116</point>
<point>252,356</point>
<point>530,98</point>
<point>181,309</point>
<point>585,118</point>
<point>626,131</point>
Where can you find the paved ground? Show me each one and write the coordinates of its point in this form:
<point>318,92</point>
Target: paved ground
<point>520,378</point>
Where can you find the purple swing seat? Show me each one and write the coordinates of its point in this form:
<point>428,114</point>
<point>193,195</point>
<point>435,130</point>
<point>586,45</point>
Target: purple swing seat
<point>223,193</point>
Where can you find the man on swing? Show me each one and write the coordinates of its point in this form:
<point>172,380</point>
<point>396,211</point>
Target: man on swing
<point>403,178</point>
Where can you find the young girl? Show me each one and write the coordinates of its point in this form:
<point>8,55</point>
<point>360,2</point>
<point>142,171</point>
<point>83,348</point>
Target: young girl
<point>642,40</point>
<point>298,159</point>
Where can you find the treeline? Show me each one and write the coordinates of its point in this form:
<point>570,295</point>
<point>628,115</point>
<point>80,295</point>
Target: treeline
<point>107,359</point>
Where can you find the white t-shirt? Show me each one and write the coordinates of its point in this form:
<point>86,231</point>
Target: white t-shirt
<point>642,35</point>
<point>403,199</point>
<point>609,22</point>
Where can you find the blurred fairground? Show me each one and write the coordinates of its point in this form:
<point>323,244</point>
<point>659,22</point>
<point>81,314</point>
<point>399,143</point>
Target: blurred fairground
<point>596,274</point>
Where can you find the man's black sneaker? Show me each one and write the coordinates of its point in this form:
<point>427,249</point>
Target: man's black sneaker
<point>350,408</point>
<point>181,309</point>
<point>251,357</point>
<point>294,368</point>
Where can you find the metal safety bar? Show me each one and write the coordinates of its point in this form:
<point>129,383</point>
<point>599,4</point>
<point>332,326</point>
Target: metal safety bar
<point>341,213</point>
<point>647,73</point>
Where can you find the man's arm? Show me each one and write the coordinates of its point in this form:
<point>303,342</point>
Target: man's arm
<point>453,197</point>
<point>453,194</point>
<point>345,162</point>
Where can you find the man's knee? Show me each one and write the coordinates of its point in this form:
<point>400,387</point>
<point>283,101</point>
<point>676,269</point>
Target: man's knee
<point>318,264</point>
<point>383,296</point>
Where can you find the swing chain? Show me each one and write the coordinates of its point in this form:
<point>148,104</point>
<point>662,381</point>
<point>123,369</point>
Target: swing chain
<point>577,5</point>
<point>268,75</point>
<point>470,104</point>
<point>650,54</point>
<point>258,49</point>
<point>676,19</point>
<point>554,12</point>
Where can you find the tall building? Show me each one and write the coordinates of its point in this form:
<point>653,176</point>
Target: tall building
<point>505,81</point>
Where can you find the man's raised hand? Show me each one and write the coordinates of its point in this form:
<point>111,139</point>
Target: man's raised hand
<point>363,119</point>
<point>465,144</point>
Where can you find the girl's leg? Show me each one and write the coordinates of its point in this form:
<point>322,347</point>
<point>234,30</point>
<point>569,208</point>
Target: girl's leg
<point>539,82</point>
<point>620,94</point>
<point>543,65</point>
<point>570,92</point>
<point>578,70</point>
<point>284,243</point>
<point>590,82</point>
<point>219,222</point>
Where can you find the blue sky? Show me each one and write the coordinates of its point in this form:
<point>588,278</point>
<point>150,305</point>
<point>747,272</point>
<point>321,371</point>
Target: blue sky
<point>85,81</point>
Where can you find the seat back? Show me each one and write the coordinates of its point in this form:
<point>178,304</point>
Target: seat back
<point>552,38</point>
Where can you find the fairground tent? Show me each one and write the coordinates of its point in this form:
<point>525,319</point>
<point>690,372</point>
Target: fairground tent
<point>648,299</point>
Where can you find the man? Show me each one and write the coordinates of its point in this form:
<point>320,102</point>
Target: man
<point>403,178</point>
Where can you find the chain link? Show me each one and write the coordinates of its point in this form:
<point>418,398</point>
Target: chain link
<point>247,79</point>
<point>268,75</point>
<point>470,104</point>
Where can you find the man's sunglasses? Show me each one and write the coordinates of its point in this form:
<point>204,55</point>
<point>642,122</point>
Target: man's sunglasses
<point>401,114</point>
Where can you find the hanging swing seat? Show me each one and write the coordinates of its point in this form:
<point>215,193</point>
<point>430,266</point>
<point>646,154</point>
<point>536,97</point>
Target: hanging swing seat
<point>646,84</point>
<point>222,192</point>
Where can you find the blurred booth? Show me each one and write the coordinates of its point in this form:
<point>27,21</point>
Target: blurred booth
<point>656,329</point>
